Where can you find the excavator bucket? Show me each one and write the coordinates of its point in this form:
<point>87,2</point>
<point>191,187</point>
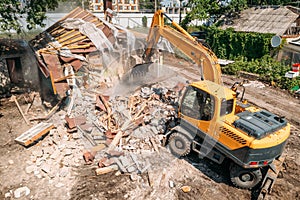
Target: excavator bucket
<point>143,75</point>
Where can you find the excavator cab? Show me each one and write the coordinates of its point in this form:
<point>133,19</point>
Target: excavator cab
<point>197,104</point>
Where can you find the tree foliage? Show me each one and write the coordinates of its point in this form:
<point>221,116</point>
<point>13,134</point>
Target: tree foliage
<point>211,9</point>
<point>229,44</point>
<point>269,71</point>
<point>147,5</point>
<point>14,14</point>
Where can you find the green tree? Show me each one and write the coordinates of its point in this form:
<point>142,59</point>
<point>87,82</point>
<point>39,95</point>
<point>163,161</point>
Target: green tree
<point>33,12</point>
<point>147,4</point>
<point>212,9</point>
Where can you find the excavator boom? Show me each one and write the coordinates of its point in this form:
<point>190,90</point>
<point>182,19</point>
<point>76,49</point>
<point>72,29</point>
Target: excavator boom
<point>204,57</point>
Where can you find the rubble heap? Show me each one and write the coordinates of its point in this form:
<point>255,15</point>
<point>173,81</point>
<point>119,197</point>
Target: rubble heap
<point>126,129</point>
<point>134,127</point>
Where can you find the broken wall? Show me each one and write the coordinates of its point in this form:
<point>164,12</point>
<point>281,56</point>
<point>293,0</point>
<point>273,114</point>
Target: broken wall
<point>17,66</point>
<point>4,77</point>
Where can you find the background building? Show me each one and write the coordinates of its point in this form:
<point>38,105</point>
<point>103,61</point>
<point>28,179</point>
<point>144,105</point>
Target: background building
<point>117,5</point>
<point>174,6</point>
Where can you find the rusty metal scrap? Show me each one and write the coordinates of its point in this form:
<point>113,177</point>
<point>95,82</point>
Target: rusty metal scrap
<point>54,66</point>
<point>70,122</point>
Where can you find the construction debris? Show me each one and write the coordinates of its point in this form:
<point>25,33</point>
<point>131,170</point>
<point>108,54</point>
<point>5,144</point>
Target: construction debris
<point>105,170</point>
<point>130,125</point>
<point>81,42</point>
<point>34,133</point>
<point>21,192</point>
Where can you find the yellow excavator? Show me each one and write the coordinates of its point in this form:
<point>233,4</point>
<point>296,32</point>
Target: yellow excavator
<point>215,123</point>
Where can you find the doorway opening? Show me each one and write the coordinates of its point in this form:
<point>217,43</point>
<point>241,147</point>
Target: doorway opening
<point>15,70</point>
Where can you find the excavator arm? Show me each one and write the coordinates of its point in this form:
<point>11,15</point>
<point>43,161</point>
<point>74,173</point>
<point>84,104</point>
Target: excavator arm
<point>204,57</point>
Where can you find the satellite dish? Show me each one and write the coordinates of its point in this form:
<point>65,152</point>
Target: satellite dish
<point>275,41</point>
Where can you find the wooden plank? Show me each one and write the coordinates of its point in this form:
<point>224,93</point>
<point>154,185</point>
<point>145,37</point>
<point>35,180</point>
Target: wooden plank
<point>65,34</point>
<point>105,170</point>
<point>19,108</point>
<point>34,133</point>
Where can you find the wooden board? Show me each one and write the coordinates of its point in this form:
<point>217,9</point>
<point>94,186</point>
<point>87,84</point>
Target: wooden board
<point>34,133</point>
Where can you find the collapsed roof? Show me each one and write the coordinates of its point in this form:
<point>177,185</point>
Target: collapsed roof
<point>70,44</point>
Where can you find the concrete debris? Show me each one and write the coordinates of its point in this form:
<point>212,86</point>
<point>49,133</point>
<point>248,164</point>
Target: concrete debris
<point>59,185</point>
<point>171,184</point>
<point>11,162</point>
<point>67,152</point>
<point>63,172</point>
<point>134,177</point>
<point>38,153</point>
<point>30,169</point>
<point>45,168</point>
<point>7,195</point>
<point>21,192</point>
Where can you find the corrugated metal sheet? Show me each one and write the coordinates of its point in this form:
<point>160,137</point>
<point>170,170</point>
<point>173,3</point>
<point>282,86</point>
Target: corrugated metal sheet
<point>274,20</point>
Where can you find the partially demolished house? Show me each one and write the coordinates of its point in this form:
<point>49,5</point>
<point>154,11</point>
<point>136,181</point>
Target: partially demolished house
<point>81,43</point>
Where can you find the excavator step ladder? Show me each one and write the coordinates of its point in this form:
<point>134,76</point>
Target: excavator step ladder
<point>271,176</point>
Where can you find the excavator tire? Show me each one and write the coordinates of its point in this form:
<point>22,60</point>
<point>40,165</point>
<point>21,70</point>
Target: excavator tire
<point>245,178</point>
<point>179,144</point>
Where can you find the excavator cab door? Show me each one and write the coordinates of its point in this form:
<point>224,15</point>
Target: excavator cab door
<point>197,107</point>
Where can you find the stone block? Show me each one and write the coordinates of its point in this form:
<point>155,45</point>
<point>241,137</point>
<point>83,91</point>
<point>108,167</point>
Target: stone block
<point>21,192</point>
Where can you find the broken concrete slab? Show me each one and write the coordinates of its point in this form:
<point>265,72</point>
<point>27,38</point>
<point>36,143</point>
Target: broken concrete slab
<point>30,169</point>
<point>21,192</point>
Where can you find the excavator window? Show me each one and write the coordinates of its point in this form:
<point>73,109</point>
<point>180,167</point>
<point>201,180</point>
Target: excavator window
<point>226,107</point>
<point>197,104</point>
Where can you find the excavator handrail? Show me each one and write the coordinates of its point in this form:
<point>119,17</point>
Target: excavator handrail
<point>203,56</point>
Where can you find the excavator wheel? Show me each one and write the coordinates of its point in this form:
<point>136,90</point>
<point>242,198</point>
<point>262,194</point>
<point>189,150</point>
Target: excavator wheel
<point>245,178</point>
<point>179,144</point>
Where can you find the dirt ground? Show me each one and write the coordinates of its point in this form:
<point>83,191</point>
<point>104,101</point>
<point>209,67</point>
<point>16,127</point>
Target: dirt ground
<point>206,179</point>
